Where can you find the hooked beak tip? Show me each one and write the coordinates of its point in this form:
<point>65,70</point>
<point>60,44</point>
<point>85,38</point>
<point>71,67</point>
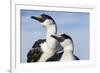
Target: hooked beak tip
<point>57,38</point>
<point>39,18</point>
<point>32,17</point>
<point>53,36</point>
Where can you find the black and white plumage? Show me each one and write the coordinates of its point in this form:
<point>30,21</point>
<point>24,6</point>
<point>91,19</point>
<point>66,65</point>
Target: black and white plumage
<point>50,46</point>
<point>68,47</point>
<point>35,53</point>
<point>56,57</point>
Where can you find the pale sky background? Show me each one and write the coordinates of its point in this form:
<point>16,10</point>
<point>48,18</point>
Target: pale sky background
<point>75,24</point>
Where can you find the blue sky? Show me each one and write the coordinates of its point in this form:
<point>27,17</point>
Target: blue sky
<point>75,24</point>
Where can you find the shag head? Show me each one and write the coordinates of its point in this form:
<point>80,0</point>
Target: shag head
<point>46,20</point>
<point>64,40</point>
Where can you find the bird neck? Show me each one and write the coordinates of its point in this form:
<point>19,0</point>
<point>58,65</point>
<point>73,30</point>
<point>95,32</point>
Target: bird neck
<point>68,54</point>
<point>69,49</point>
<point>51,42</point>
<point>51,30</point>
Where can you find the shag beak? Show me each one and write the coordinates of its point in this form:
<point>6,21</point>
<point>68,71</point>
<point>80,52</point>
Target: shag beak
<point>58,38</point>
<point>38,18</point>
